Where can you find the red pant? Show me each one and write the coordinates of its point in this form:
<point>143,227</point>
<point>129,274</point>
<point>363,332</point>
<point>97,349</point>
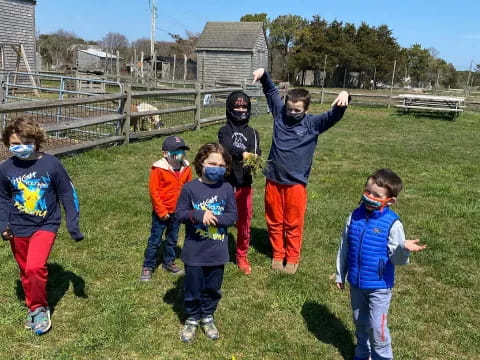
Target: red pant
<point>32,254</point>
<point>243,195</point>
<point>285,207</point>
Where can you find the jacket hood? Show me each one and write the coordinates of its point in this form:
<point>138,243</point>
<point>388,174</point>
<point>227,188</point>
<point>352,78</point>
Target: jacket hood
<point>163,164</point>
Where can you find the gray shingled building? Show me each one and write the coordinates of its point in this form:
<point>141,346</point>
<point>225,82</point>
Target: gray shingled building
<point>17,26</point>
<point>230,51</point>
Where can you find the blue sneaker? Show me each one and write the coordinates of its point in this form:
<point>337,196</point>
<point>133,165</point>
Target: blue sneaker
<point>29,320</point>
<point>41,322</point>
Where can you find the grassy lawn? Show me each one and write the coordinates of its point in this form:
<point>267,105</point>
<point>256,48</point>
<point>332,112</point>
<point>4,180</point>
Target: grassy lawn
<point>102,311</point>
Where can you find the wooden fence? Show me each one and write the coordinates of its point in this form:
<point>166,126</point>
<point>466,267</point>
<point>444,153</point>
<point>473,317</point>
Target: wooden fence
<point>92,121</point>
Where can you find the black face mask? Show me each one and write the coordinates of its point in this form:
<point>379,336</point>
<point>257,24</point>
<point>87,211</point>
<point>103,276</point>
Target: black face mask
<point>293,118</point>
<point>235,99</point>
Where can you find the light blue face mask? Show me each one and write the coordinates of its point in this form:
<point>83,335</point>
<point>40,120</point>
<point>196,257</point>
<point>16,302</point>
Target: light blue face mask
<point>22,151</point>
<point>214,173</point>
<point>177,155</point>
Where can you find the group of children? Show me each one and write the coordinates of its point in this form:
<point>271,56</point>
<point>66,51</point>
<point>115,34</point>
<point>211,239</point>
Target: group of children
<point>33,183</point>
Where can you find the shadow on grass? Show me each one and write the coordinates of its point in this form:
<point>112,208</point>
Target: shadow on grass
<point>58,283</point>
<point>427,115</point>
<point>259,241</point>
<point>327,328</point>
<point>175,298</point>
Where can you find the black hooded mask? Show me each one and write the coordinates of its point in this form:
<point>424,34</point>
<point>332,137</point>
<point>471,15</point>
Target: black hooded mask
<point>236,99</point>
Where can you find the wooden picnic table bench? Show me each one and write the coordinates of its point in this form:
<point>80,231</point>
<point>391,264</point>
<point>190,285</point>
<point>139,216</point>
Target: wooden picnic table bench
<point>445,104</point>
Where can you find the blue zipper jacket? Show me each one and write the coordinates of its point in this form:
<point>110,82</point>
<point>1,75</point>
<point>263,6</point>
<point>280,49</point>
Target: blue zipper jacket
<point>369,265</point>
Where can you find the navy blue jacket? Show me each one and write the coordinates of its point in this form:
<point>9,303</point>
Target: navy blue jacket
<point>30,192</point>
<point>368,257</point>
<point>206,245</point>
<point>293,146</point>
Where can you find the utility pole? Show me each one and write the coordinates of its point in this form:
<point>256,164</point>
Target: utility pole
<point>153,6</point>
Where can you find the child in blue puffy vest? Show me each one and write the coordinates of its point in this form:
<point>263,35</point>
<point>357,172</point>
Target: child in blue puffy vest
<point>373,242</point>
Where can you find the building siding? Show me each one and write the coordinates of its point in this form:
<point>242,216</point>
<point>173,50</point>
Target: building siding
<point>17,25</point>
<point>231,65</point>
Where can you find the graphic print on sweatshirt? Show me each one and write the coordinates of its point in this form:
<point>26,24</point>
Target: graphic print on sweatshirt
<point>29,197</point>
<point>217,207</point>
<point>239,140</point>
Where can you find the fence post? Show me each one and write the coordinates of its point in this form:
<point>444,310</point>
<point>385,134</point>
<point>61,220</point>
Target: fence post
<point>126,111</point>
<point>198,105</point>
<point>2,89</point>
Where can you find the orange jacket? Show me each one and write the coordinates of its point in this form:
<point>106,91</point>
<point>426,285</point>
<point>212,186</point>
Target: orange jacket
<point>165,186</point>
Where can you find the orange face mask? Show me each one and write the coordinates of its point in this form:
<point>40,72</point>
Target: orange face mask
<point>374,203</point>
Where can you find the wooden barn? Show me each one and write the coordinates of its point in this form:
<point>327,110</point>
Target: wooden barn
<point>17,32</point>
<point>94,60</point>
<point>230,51</point>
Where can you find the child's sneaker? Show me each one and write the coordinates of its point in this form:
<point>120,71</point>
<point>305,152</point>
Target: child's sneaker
<point>290,269</point>
<point>29,320</point>
<point>209,328</point>
<point>277,265</point>
<point>41,322</point>
<point>146,274</point>
<point>171,267</point>
<point>244,265</point>
<point>188,331</point>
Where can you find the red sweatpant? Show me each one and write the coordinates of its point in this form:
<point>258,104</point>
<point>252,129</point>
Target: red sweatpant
<point>32,254</point>
<point>243,195</point>
<point>285,207</point>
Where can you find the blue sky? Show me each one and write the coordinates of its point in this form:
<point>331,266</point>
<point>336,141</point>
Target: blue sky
<point>451,27</point>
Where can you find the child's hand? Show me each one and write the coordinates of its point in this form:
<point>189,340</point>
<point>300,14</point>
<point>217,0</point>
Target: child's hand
<point>342,99</point>
<point>165,218</point>
<point>246,155</point>
<point>412,245</point>
<point>7,235</point>
<point>257,75</point>
<point>209,218</point>
<point>340,286</point>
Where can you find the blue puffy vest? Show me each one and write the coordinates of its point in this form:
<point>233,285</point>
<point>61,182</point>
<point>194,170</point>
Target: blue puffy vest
<point>369,266</point>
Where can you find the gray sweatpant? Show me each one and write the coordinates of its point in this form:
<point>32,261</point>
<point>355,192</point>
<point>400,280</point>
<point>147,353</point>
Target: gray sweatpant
<point>370,309</point>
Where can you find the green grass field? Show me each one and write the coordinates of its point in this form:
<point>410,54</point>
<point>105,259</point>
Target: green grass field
<point>102,311</point>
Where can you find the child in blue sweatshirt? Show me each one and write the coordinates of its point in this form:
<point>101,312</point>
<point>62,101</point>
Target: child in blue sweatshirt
<point>373,242</point>
<point>207,207</point>
<point>32,184</point>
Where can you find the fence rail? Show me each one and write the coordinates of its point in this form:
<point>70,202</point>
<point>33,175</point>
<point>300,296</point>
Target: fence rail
<point>76,124</point>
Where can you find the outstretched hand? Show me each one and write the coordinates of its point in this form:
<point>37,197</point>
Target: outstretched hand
<point>412,245</point>
<point>342,99</point>
<point>257,75</point>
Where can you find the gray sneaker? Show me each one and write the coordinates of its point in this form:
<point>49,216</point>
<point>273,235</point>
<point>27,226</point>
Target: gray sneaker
<point>146,274</point>
<point>171,267</point>
<point>188,331</point>
<point>209,328</point>
<point>41,322</point>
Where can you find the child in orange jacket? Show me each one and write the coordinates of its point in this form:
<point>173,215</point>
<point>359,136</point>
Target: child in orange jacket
<point>167,177</point>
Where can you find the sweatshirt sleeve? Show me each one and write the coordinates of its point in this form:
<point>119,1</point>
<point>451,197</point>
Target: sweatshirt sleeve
<point>326,120</point>
<point>274,99</point>
<point>155,191</point>
<point>5,198</point>
<point>396,239</point>
<point>184,211</point>
<point>342,255</point>
<point>229,215</point>
<point>68,197</point>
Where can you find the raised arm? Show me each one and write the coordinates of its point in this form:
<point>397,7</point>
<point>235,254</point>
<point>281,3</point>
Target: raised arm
<point>274,99</point>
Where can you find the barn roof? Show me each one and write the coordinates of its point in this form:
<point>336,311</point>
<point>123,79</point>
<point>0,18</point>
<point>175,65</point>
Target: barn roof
<point>230,35</point>
<point>99,53</point>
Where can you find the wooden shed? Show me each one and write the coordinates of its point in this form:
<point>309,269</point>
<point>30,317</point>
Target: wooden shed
<point>17,30</point>
<point>94,60</point>
<point>230,51</point>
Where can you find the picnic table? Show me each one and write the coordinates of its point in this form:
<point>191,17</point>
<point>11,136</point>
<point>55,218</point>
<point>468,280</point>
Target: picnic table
<point>445,104</point>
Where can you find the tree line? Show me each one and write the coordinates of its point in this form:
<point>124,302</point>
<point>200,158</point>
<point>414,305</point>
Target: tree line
<point>342,54</point>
